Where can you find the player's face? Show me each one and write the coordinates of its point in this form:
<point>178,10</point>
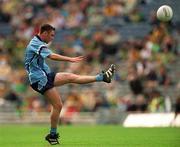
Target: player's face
<point>50,36</point>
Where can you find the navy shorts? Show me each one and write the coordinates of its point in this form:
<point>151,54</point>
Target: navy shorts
<point>49,84</point>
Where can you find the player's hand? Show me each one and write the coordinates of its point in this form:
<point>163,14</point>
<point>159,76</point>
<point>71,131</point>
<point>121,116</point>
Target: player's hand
<point>77,59</point>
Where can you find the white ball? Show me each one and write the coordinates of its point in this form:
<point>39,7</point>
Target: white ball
<point>164,13</point>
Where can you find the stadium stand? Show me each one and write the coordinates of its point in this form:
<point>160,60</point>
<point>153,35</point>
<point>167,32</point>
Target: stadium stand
<point>143,49</point>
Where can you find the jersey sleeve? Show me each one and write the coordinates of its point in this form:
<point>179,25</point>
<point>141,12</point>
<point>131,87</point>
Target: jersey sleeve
<point>43,51</point>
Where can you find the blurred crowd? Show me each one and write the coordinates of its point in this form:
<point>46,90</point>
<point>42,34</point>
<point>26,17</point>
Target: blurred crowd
<point>143,64</point>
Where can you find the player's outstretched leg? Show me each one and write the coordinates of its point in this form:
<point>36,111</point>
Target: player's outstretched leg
<point>64,78</point>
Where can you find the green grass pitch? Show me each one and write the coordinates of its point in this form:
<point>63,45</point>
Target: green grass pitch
<point>90,136</point>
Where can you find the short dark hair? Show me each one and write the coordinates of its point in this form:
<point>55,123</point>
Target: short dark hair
<point>46,27</point>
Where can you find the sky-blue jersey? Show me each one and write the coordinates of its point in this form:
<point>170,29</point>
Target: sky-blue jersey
<point>35,64</point>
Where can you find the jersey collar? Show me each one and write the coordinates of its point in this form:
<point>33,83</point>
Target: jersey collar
<point>39,38</point>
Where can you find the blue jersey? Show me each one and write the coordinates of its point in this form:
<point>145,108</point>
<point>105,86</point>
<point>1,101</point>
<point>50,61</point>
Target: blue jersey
<point>35,64</point>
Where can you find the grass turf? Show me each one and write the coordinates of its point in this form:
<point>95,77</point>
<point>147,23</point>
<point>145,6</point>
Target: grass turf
<point>90,136</point>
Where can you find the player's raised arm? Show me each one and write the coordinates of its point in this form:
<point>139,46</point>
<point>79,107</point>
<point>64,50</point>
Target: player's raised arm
<point>58,57</point>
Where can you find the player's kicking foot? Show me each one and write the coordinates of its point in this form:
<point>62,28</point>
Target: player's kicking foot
<point>52,138</point>
<point>108,75</point>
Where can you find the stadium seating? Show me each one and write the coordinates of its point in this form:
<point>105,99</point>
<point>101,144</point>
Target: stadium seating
<point>13,42</point>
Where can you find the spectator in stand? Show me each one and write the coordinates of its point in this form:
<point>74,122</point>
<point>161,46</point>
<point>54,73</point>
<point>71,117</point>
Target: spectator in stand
<point>72,106</point>
<point>163,77</point>
<point>152,79</point>
<point>156,102</point>
<point>110,44</point>
<point>177,107</point>
<point>135,82</point>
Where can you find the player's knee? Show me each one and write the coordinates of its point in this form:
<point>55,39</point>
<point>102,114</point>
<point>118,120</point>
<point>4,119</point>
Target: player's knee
<point>73,78</point>
<point>58,107</point>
